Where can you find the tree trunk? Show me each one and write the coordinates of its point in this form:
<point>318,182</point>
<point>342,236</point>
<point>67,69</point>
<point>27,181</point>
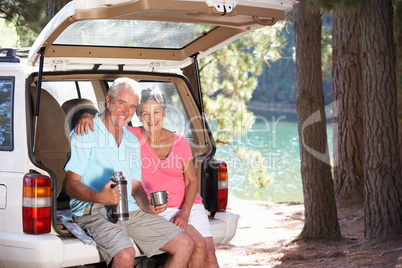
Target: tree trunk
<point>398,43</point>
<point>347,105</point>
<point>54,6</point>
<point>383,182</point>
<point>319,201</point>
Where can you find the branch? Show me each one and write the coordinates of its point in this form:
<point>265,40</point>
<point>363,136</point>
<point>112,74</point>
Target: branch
<point>289,18</point>
<point>200,69</point>
<point>230,144</point>
<point>387,251</point>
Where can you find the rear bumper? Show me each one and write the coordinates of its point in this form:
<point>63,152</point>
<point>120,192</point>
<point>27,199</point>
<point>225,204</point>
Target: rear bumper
<point>22,250</point>
<point>223,226</point>
<point>42,251</point>
<point>49,250</point>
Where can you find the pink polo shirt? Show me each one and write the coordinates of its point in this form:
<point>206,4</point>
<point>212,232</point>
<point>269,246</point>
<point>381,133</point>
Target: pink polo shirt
<point>165,174</point>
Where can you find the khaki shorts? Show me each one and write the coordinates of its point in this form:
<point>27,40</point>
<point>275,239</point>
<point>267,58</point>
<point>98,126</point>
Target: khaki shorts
<point>149,231</point>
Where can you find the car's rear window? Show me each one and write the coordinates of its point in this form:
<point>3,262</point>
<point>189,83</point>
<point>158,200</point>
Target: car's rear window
<point>132,33</point>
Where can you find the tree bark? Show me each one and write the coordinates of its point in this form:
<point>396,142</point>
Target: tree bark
<point>383,182</point>
<point>319,201</point>
<point>54,6</point>
<point>398,43</point>
<point>347,107</point>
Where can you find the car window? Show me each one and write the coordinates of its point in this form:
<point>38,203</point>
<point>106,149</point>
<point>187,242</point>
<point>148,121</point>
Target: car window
<point>6,108</point>
<point>132,33</point>
<point>63,91</point>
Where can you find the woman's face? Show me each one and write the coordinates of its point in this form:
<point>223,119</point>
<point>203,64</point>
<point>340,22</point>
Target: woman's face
<point>152,115</point>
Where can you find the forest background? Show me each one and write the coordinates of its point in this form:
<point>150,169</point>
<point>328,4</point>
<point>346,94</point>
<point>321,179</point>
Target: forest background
<point>345,54</point>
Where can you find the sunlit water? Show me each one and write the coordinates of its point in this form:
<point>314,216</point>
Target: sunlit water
<point>275,135</point>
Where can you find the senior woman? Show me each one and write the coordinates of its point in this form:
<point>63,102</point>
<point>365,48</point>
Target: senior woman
<point>166,162</point>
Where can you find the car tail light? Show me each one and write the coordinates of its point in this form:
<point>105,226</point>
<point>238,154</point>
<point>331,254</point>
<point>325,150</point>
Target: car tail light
<point>223,185</point>
<point>36,210</point>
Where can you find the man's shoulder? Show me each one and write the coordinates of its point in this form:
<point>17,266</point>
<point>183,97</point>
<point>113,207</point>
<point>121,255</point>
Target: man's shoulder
<point>89,139</point>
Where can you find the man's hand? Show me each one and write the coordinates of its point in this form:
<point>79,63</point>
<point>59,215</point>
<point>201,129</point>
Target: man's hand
<point>75,188</point>
<point>109,195</point>
<point>85,122</point>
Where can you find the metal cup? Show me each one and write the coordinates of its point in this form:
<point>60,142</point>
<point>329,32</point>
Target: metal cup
<point>159,198</point>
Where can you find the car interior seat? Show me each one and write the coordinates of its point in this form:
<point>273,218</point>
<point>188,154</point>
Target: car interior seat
<point>52,141</point>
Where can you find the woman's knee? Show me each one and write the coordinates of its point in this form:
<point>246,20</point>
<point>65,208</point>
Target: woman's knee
<point>210,251</point>
<point>199,243</point>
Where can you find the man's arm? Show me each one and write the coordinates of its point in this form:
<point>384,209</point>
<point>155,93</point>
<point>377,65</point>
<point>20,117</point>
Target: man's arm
<point>144,201</point>
<point>85,122</point>
<point>76,189</point>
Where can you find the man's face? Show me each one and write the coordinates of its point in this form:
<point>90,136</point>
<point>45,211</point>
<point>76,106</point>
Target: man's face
<point>121,108</point>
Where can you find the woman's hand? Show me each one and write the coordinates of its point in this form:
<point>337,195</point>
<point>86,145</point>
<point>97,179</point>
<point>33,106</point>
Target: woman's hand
<point>181,220</point>
<point>143,200</point>
<point>155,209</point>
<point>85,122</point>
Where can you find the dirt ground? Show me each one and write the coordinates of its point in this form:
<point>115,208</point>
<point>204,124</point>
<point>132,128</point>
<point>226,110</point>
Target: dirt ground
<point>265,231</point>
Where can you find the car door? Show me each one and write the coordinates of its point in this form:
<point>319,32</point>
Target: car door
<point>149,35</point>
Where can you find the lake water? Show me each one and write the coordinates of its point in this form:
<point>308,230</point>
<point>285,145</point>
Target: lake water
<point>275,135</point>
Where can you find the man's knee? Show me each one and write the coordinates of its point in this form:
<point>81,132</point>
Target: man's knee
<point>126,255</point>
<point>186,242</point>
<point>181,244</point>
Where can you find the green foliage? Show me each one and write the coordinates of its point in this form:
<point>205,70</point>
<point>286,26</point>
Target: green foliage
<point>257,173</point>
<point>228,78</point>
<point>277,84</point>
<point>326,46</point>
<point>8,29</point>
<point>27,16</point>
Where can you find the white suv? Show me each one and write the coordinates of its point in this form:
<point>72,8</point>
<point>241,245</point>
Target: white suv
<point>68,71</point>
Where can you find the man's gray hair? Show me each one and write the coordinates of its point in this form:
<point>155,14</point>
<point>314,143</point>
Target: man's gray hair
<point>124,83</point>
<point>150,94</point>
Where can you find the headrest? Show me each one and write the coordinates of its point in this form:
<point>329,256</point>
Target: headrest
<point>75,108</point>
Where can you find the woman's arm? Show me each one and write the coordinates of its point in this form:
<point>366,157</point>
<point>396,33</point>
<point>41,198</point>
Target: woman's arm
<point>181,219</point>
<point>143,200</point>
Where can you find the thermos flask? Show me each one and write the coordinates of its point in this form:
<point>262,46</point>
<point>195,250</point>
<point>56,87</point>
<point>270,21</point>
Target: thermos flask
<point>120,211</point>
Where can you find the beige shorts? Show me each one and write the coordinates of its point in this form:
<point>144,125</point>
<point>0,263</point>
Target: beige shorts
<point>150,232</point>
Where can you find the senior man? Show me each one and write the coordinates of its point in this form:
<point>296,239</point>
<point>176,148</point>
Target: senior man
<point>94,157</point>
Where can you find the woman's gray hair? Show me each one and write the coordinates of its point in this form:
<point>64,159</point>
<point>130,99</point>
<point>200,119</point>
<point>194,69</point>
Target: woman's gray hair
<point>150,94</point>
<point>124,83</point>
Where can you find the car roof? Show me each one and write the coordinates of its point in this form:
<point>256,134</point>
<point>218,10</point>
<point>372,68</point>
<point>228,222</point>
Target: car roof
<point>147,34</point>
